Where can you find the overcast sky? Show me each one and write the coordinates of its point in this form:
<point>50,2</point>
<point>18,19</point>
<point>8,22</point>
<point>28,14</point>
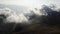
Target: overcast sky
<point>29,3</point>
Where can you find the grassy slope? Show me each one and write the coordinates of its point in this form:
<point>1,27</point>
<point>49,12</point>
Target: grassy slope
<point>39,29</point>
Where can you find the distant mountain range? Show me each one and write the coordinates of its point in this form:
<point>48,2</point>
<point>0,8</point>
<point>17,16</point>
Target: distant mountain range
<point>19,9</point>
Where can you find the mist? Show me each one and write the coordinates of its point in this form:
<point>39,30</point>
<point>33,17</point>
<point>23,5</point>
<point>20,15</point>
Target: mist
<point>13,21</point>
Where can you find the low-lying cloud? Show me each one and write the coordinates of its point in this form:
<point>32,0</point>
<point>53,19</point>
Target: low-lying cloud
<point>12,16</point>
<point>45,14</point>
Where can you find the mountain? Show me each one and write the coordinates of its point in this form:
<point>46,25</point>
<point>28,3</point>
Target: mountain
<point>19,9</point>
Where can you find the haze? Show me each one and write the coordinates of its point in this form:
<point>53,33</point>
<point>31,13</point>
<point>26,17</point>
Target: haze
<point>29,3</point>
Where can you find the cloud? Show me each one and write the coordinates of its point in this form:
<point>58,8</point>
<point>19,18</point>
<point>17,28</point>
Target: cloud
<point>45,14</point>
<point>13,16</point>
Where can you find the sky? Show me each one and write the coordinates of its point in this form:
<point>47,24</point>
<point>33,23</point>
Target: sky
<point>29,3</point>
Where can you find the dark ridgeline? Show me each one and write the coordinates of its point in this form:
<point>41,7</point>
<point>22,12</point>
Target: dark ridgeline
<point>53,17</point>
